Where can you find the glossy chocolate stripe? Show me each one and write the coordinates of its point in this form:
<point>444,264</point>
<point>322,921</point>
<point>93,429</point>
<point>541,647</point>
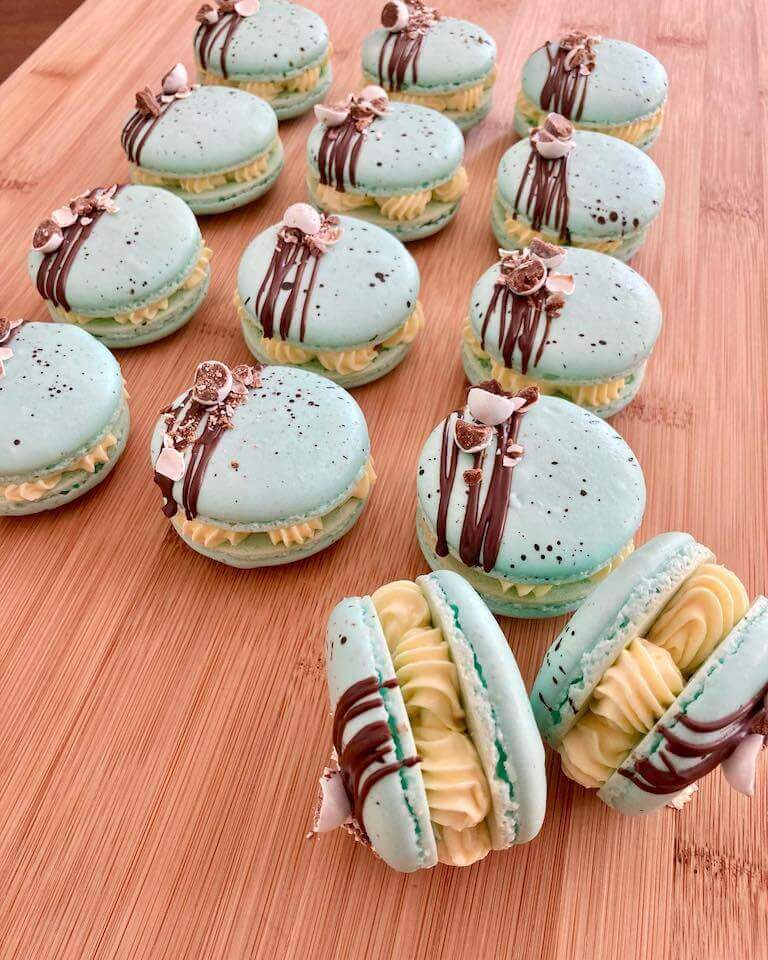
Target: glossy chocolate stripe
<point>548,202</point>
<point>563,88</point>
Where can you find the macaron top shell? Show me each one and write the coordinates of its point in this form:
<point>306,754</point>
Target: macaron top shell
<point>280,40</point>
<point>409,148</point>
<point>577,496</point>
<point>612,186</point>
<point>132,257</point>
<point>366,286</point>
<point>621,608</point>
<point>61,389</point>
<point>607,327</point>
<point>453,54</point>
<point>296,449</point>
<point>626,84</point>
<point>212,130</point>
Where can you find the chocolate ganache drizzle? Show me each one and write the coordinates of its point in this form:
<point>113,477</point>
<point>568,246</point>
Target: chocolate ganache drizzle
<point>571,62</point>
<point>346,127</point>
<point>362,759</point>
<point>196,422</point>
<point>710,753</point>
<point>546,177</point>
<point>302,240</point>
<point>151,108</point>
<point>60,237</point>
<point>220,21</point>
<point>527,292</point>
<point>490,433</point>
<point>407,23</point>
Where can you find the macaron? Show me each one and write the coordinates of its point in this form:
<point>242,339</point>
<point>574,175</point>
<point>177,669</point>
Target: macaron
<point>436,756</point>
<point>128,264</point>
<point>603,85</point>
<point>215,147</point>
<point>419,56</point>
<point>576,188</point>
<point>573,322</point>
<point>64,417</point>
<point>300,286</point>
<point>397,165</point>
<point>278,50</point>
<point>261,467</point>
<point>533,499</point>
<point>660,677</point>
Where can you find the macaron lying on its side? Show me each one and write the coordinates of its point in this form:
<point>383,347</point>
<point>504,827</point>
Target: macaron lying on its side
<point>128,264</point>
<point>603,85</point>
<point>573,322</point>
<point>64,417</point>
<point>215,147</point>
<point>422,57</point>
<point>576,188</point>
<point>396,165</point>
<point>262,467</point>
<point>300,288</point>
<point>660,677</point>
<point>533,500</point>
<point>436,753</point>
<point>278,50</point>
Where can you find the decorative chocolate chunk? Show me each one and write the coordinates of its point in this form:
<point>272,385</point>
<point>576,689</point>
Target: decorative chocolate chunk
<point>471,437</point>
<point>249,376</point>
<point>558,126</point>
<point>529,395</point>
<point>213,382</point>
<point>526,276</point>
<point>549,253</point>
<point>176,80</point>
<point>473,477</point>
<point>395,16</point>
<point>48,237</point>
<point>489,404</point>
<point>147,103</point>
<point>207,14</point>
<point>554,304</point>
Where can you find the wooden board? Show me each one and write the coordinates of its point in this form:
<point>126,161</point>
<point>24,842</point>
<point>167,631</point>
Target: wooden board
<point>163,719</point>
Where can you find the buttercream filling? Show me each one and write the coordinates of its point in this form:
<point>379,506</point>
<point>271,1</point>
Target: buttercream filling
<point>648,675</point>
<point>303,82</point>
<point>403,207</point>
<point>295,535</point>
<point>33,490</point>
<point>633,131</point>
<point>253,170</point>
<point>458,794</point>
<point>466,100</point>
<point>593,395</point>
<point>152,310</point>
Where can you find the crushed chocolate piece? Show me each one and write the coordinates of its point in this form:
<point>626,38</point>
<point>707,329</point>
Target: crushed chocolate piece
<point>554,304</point>
<point>558,127</point>
<point>760,725</point>
<point>530,395</point>
<point>147,104</point>
<point>526,276</point>
<point>5,328</point>
<point>207,14</point>
<point>576,38</point>
<point>471,436</point>
<point>545,251</point>
<point>213,382</point>
<point>48,237</point>
<point>472,477</point>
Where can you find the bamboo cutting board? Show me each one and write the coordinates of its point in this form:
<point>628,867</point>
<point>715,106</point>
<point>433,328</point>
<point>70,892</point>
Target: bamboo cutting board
<point>163,719</point>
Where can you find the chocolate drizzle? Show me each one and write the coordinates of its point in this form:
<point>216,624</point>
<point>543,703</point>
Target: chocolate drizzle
<point>208,33</point>
<point>138,128</point>
<point>368,747</point>
<point>571,61</point>
<point>547,202</point>
<point>710,753</point>
<point>401,48</point>
<point>342,141</point>
<point>54,267</point>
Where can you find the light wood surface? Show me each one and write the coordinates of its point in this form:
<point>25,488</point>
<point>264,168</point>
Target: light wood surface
<point>163,719</point>
<point>21,32</point>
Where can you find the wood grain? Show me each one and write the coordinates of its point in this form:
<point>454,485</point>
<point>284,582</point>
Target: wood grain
<point>163,719</point>
<point>21,32</point>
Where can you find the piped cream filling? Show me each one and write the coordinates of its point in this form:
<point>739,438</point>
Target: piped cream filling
<point>337,361</point>
<point>210,535</point>
<point>403,207</point>
<point>522,234</point>
<point>146,314</point>
<point>246,173</point>
<point>33,490</point>
<point>303,82</point>
<point>633,131</point>
<point>460,101</point>
<point>458,793</point>
<point>594,395</point>
<point>649,674</point>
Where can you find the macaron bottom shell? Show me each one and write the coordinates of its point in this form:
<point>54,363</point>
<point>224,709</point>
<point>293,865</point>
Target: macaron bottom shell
<point>258,550</point>
<point>287,104</point>
<point>75,483</point>
<point>478,370</point>
<point>623,247</point>
<point>183,304</point>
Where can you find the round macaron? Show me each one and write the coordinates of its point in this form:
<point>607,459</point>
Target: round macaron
<point>396,165</point>
<point>606,86</point>
<point>262,467</point>
<point>576,188</point>
<point>64,415</point>
<point>215,147</point>
<point>660,677</point>
<point>436,754</point>
<point>278,50</point>
<point>422,57</point>
<point>574,323</point>
<point>533,500</point>
<point>299,290</point>
<point>128,264</point>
